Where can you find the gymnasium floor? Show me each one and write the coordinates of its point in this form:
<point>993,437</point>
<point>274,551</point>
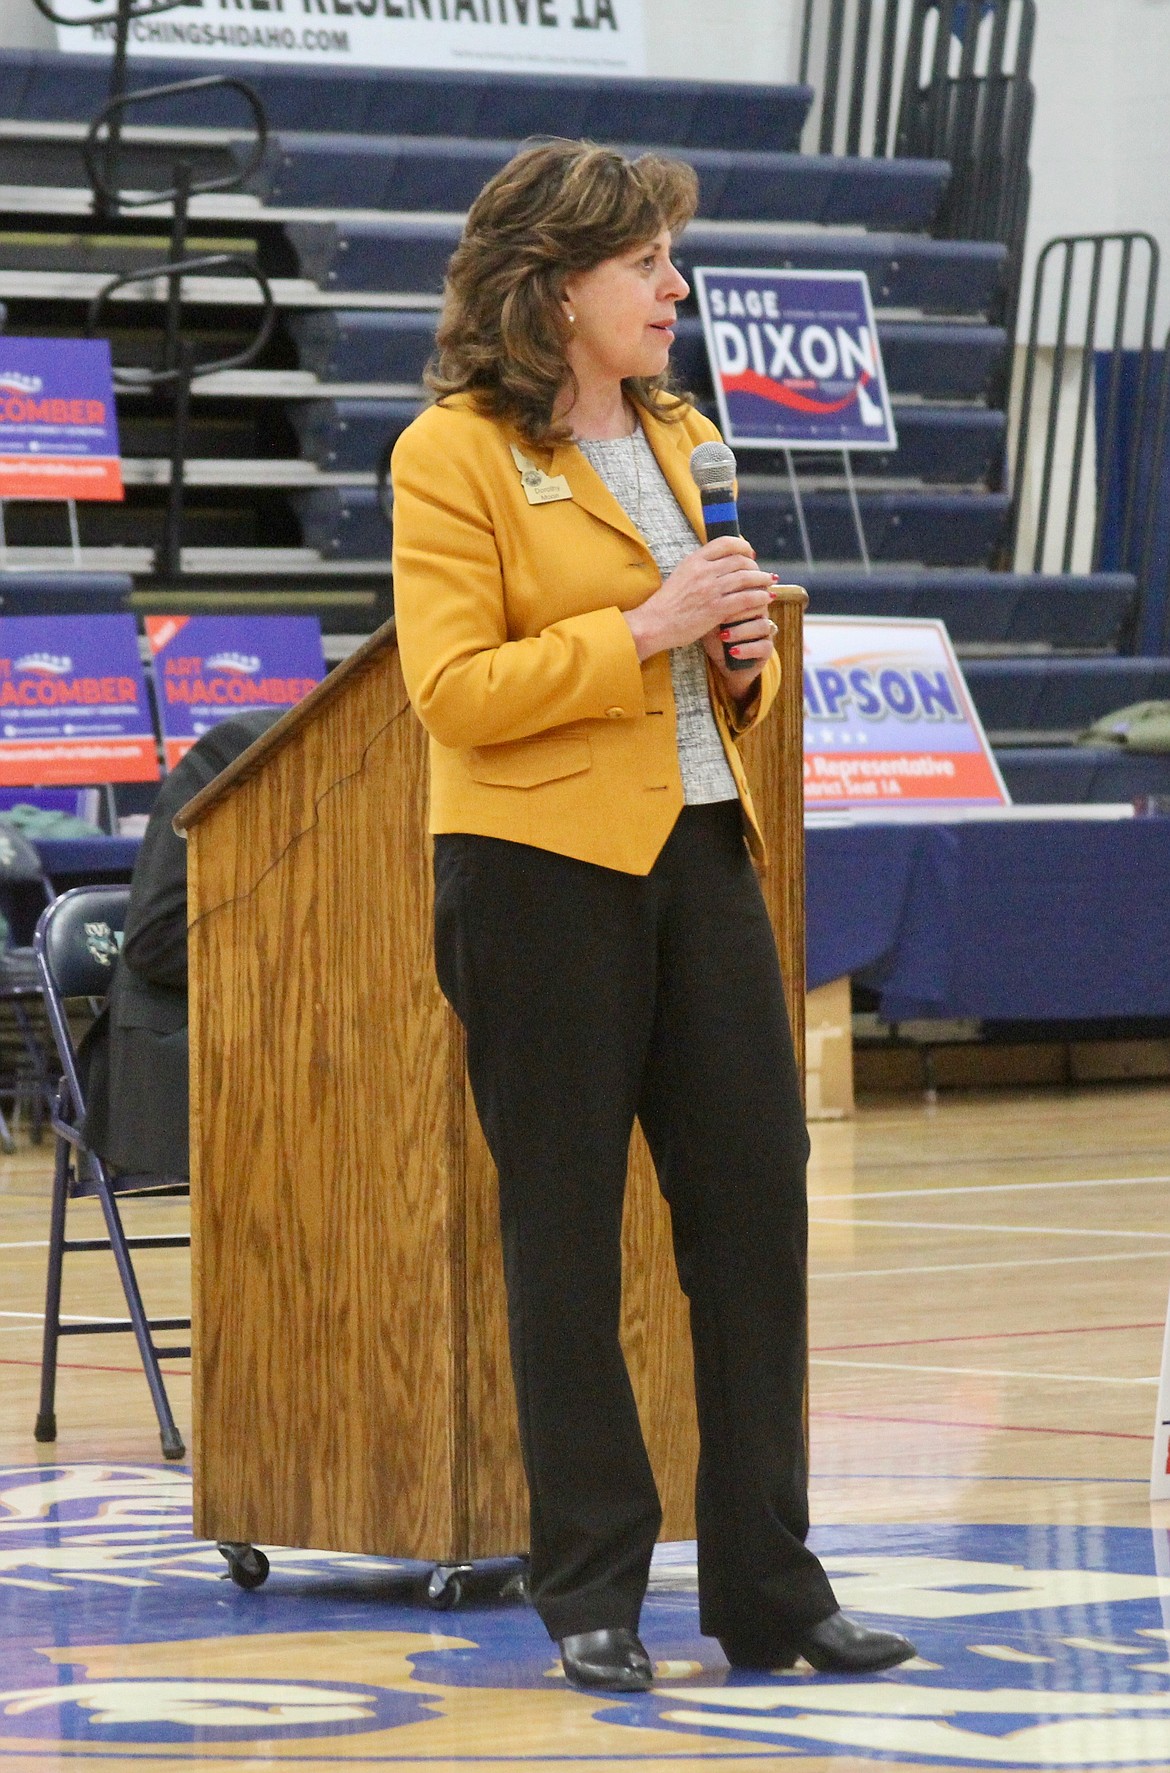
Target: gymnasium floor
<point>989,1283</point>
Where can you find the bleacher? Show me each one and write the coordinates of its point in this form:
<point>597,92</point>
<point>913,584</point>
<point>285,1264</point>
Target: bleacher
<point>352,215</point>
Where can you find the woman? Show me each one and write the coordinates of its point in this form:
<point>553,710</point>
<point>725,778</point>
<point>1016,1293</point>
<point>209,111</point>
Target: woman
<point>599,928</point>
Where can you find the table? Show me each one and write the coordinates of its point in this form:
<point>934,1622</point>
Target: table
<point>1021,921</point>
<point>1050,920</point>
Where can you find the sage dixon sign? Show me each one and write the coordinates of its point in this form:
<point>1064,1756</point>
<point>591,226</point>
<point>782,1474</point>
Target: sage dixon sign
<point>521,36</point>
<point>795,359</point>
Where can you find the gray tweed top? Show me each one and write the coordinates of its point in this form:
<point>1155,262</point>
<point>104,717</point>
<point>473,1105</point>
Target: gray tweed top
<point>630,470</point>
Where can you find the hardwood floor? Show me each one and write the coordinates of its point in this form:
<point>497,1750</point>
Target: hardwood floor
<point>988,1295</point>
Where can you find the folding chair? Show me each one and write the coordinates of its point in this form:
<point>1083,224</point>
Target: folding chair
<point>78,939</point>
<point>24,892</point>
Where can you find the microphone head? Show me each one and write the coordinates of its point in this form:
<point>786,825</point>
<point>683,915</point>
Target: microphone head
<point>713,467</point>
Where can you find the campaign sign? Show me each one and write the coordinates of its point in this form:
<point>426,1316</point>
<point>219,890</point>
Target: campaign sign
<point>888,720</point>
<point>58,428</point>
<point>73,702</point>
<point>795,359</point>
<point>512,36</point>
<point>207,668</point>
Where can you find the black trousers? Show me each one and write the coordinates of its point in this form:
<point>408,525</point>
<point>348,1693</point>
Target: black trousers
<point>590,997</point>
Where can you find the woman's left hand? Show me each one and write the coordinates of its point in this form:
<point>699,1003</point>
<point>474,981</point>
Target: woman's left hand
<point>751,641</point>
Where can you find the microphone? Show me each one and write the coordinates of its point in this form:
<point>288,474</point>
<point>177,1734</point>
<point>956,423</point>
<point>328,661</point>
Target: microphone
<point>713,472</point>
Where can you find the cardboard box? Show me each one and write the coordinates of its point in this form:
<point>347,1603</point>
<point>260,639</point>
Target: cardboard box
<point>828,1046</point>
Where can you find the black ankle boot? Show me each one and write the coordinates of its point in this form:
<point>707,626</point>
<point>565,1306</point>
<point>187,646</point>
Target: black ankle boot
<point>838,1645</point>
<point>612,1659</point>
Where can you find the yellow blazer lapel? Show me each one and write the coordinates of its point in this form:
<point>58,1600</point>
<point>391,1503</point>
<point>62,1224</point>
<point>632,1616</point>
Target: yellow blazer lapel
<point>590,491</point>
<point>672,448</point>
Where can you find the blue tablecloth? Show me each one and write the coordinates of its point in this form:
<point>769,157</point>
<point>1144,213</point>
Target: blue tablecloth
<point>1044,921</point>
<point>1031,921</point>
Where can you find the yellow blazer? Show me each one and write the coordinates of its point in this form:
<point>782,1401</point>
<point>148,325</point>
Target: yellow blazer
<point>545,728</point>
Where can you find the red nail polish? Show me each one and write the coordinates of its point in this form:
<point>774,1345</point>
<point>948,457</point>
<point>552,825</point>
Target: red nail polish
<point>725,633</point>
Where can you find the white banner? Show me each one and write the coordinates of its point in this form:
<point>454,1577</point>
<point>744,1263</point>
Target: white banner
<point>1160,1471</point>
<point>500,36</point>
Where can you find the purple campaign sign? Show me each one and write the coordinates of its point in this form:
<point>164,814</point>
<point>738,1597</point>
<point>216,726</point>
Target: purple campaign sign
<point>207,668</point>
<point>795,359</point>
<point>73,702</point>
<point>58,428</point>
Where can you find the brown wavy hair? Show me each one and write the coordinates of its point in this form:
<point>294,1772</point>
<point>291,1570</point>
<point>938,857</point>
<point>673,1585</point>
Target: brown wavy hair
<point>556,208</point>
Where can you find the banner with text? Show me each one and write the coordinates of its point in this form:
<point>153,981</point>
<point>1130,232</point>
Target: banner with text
<point>58,428</point>
<point>504,36</point>
<point>207,668</point>
<point>888,720</point>
<point>73,702</point>
<point>795,359</point>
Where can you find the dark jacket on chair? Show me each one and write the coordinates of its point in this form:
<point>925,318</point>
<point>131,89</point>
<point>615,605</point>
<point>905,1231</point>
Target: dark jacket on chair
<point>136,1051</point>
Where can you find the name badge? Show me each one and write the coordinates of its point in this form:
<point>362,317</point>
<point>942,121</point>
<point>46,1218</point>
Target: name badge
<point>540,488</point>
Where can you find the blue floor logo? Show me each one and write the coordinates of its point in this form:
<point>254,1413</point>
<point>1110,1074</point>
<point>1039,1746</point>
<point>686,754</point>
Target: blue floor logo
<point>1040,1648</point>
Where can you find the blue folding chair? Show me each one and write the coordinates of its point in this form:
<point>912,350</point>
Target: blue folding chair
<point>78,938</point>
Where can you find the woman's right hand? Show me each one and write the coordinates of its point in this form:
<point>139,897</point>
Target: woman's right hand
<point>715,587</point>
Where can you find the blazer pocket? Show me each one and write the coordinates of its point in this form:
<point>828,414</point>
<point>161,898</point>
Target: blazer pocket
<point>526,763</point>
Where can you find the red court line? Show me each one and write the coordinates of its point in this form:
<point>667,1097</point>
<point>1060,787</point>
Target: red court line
<point>85,1367</point>
<point>989,1336</point>
<point>1097,1434</point>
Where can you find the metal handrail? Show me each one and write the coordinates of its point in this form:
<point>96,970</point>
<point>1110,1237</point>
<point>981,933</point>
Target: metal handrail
<point>101,151</point>
<point>108,18</point>
<point>133,380</point>
<point>107,195</point>
<point>124,14</point>
<point>1153,507</point>
<point>891,94</point>
<point>980,121</point>
<point>180,368</point>
<point>1106,309</point>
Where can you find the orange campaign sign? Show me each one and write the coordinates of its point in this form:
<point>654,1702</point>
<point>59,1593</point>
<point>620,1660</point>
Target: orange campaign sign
<point>207,668</point>
<point>73,702</point>
<point>58,427</point>
<point>889,723</point>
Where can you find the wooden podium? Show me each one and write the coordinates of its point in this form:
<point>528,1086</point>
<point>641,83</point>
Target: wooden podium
<point>351,1387</point>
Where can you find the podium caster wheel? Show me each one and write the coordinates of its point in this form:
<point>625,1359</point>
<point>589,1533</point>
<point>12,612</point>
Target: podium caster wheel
<point>445,1587</point>
<point>247,1566</point>
<point>516,1588</point>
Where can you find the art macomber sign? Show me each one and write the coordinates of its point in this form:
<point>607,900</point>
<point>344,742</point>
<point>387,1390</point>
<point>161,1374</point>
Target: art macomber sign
<point>888,720</point>
<point>207,668</point>
<point>73,702</point>
<point>58,429</point>
<point>524,36</point>
<point>795,359</point>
